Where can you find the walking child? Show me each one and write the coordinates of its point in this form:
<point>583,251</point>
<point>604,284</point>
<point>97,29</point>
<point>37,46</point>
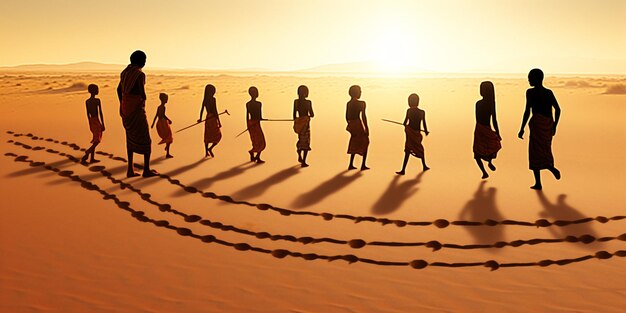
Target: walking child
<point>486,141</point>
<point>254,116</point>
<point>163,125</point>
<point>96,122</point>
<point>302,114</point>
<point>357,127</point>
<point>212,124</point>
<point>413,121</point>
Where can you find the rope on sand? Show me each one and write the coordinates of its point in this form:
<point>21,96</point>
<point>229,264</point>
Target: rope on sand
<point>282,253</point>
<point>440,223</point>
<point>354,243</point>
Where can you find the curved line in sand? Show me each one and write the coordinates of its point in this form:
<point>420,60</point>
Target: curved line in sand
<point>353,243</point>
<point>282,253</point>
<point>440,223</point>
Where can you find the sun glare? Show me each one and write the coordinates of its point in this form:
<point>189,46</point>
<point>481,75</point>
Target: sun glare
<point>394,50</point>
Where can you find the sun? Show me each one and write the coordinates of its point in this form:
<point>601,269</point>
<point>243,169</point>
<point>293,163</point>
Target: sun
<point>394,50</point>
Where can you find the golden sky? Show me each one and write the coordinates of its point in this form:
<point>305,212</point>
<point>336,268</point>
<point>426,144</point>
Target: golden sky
<point>564,36</point>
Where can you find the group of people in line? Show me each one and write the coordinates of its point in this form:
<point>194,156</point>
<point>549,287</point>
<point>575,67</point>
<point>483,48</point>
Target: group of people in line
<point>540,103</point>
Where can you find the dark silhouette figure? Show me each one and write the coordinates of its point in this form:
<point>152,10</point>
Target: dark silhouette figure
<point>96,123</point>
<point>486,141</point>
<point>395,194</point>
<point>483,207</point>
<point>212,124</point>
<point>325,189</point>
<point>132,96</point>
<point>260,187</point>
<point>302,114</point>
<point>540,101</point>
<point>562,211</point>
<point>163,125</point>
<point>357,126</point>
<point>254,116</point>
<point>412,128</point>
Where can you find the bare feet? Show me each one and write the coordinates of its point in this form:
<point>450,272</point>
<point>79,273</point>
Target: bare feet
<point>304,165</point>
<point>149,173</point>
<point>400,173</point>
<point>351,167</point>
<point>491,166</point>
<point>536,187</point>
<point>426,168</point>
<point>169,156</point>
<point>259,161</point>
<point>364,168</point>
<point>252,159</point>
<point>556,173</point>
<point>131,174</point>
<point>211,153</point>
<point>92,161</point>
<point>485,175</point>
<point>206,153</point>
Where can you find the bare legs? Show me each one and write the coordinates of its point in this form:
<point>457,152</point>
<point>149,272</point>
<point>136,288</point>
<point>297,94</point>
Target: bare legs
<point>537,174</point>
<point>256,158</point>
<point>167,150</point>
<point>363,167</point>
<point>91,151</point>
<point>406,161</point>
<point>147,172</point>
<point>302,154</point>
<point>209,150</point>
<point>482,167</point>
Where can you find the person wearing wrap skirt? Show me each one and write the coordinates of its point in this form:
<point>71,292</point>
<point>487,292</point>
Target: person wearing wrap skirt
<point>540,101</point>
<point>486,141</point>
<point>132,96</point>
<point>302,114</point>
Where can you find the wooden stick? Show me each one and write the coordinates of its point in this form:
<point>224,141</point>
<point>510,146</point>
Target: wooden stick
<point>192,125</point>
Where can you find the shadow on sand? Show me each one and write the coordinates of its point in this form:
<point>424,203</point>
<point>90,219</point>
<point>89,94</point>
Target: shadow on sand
<point>325,189</point>
<point>261,187</point>
<point>395,194</point>
<point>209,181</point>
<point>562,211</point>
<point>480,208</point>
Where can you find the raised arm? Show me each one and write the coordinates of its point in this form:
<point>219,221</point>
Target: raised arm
<point>525,117</point>
<point>557,114</point>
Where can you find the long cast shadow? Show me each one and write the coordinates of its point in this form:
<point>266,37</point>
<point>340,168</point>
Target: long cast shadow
<point>562,211</point>
<point>395,194</point>
<point>325,189</point>
<point>121,169</point>
<point>172,173</point>
<point>259,188</point>
<point>209,181</point>
<point>480,208</point>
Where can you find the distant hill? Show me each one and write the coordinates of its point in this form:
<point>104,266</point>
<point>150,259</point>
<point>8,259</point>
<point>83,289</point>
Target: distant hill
<point>74,67</point>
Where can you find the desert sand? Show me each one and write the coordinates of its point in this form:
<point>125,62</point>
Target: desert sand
<point>224,235</point>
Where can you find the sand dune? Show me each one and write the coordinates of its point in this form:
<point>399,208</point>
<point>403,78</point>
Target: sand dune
<point>222,234</point>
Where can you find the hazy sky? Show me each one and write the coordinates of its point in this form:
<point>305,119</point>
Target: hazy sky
<point>473,35</point>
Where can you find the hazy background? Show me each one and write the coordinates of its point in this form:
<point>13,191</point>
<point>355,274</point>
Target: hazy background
<point>559,36</point>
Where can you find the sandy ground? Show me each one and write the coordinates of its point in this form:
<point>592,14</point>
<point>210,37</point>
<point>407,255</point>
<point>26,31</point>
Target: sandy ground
<point>74,241</point>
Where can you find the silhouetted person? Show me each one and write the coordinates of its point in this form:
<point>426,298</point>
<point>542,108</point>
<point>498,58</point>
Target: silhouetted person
<point>132,96</point>
<point>254,117</point>
<point>357,126</point>
<point>412,128</point>
<point>486,141</point>
<point>540,101</point>
<point>302,114</point>
<point>212,124</point>
<point>163,125</point>
<point>96,125</point>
